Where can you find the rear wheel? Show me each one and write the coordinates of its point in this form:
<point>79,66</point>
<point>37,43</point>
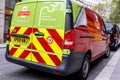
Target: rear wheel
<point>83,73</point>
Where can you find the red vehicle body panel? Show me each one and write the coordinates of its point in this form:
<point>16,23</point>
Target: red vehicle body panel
<point>91,37</point>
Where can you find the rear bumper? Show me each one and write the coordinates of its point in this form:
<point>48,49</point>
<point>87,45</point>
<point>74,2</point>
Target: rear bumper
<point>69,64</point>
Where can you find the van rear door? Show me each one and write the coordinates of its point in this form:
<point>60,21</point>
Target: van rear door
<point>48,32</point>
<point>21,30</point>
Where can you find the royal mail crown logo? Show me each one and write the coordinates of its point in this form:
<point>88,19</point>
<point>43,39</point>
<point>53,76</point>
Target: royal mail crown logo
<point>24,12</point>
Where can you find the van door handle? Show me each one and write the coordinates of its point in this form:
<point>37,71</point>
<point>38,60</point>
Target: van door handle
<point>39,34</point>
<point>20,35</point>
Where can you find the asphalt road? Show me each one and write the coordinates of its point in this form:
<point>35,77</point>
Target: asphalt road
<point>10,71</point>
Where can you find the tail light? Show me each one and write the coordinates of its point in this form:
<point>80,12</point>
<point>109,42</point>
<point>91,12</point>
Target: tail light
<point>8,35</point>
<point>69,40</point>
<point>115,36</point>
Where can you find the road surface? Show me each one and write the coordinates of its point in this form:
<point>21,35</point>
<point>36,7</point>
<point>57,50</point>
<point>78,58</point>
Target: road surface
<point>10,71</point>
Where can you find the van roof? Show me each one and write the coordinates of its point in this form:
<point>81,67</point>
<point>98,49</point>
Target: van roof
<point>26,1</point>
<point>77,2</point>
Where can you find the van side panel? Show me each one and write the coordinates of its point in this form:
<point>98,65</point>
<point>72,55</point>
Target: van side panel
<point>94,22</point>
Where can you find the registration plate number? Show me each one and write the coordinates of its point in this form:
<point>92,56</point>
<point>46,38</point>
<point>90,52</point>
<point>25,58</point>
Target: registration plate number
<point>21,40</point>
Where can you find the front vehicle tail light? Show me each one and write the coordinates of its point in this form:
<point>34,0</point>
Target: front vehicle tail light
<point>115,36</point>
<point>8,35</point>
<point>69,40</point>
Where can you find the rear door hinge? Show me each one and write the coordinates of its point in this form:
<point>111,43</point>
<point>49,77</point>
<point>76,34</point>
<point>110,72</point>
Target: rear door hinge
<point>68,11</point>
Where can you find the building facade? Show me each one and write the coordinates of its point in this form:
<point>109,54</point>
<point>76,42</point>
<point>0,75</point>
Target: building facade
<point>2,11</point>
<point>6,6</point>
<point>92,3</point>
<point>98,1</point>
<point>9,6</point>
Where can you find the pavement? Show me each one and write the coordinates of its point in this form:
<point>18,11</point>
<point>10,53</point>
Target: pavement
<point>110,72</point>
<point>3,45</point>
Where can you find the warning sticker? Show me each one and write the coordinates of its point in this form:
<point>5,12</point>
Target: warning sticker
<point>49,40</point>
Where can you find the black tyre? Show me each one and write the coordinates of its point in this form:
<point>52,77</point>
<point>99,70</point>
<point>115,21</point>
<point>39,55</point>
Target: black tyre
<point>107,55</point>
<point>83,73</point>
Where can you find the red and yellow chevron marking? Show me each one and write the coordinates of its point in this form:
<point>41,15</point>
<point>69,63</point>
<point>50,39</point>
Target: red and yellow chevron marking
<point>54,48</point>
<point>20,51</point>
<point>39,50</point>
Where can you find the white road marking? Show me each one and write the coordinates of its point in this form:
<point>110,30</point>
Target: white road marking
<point>106,73</point>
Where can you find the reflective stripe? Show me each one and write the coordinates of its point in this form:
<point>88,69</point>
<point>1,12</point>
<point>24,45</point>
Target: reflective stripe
<point>18,52</point>
<point>34,58</point>
<point>22,30</point>
<point>16,29</point>
<point>37,56</point>
<point>48,49</point>
<point>28,31</point>
<point>12,51</point>
<point>44,56</point>
<point>56,37</point>
<point>25,53</point>
<point>28,57</point>
<point>38,50</point>
<point>54,45</point>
